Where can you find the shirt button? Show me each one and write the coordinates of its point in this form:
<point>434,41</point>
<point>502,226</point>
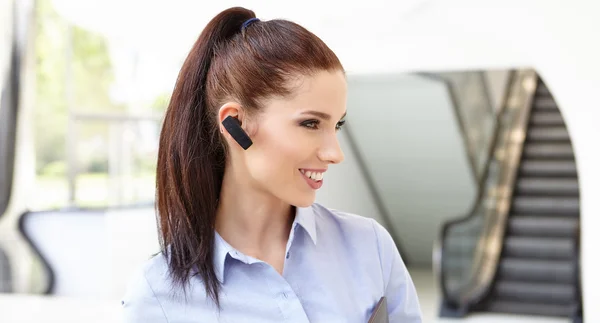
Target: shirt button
<point>284,295</point>
<point>287,255</point>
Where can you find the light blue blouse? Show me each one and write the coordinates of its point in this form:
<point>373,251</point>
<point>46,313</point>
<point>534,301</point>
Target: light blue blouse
<point>337,267</point>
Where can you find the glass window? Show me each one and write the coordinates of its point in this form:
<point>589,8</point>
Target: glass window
<point>99,104</point>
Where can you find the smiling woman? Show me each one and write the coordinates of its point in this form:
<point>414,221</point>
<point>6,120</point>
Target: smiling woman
<point>241,236</point>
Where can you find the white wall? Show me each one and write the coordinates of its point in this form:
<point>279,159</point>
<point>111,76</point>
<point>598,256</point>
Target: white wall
<point>407,132</point>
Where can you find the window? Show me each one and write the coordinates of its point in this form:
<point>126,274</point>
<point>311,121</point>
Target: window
<point>99,104</point>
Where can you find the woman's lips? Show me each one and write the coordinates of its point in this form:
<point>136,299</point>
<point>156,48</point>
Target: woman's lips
<point>313,177</point>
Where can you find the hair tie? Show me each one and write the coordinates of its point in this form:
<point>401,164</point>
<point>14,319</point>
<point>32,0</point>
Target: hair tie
<point>249,22</point>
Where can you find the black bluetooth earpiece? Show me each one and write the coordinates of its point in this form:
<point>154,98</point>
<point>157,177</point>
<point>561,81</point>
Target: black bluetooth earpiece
<point>232,125</point>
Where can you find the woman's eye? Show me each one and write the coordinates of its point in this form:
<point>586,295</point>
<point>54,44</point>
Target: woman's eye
<point>314,124</point>
<point>311,124</point>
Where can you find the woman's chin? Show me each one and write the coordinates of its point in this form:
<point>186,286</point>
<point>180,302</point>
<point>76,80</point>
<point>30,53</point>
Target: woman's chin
<point>304,199</point>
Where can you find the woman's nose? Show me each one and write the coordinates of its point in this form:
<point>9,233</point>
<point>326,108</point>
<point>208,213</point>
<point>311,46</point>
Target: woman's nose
<point>331,152</point>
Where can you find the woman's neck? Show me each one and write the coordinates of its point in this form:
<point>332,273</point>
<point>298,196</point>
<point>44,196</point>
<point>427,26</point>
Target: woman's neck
<point>252,221</point>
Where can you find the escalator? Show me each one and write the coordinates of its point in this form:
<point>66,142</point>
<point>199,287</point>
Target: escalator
<point>517,252</point>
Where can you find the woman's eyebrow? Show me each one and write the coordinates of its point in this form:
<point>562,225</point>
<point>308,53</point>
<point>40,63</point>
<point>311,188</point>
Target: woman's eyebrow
<point>322,115</point>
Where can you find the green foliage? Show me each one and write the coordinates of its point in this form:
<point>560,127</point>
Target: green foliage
<point>161,103</point>
<point>51,110</point>
<point>97,165</point>
<point>91,78</point>
<point>55,169</point>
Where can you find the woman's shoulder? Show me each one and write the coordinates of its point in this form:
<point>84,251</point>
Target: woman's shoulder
<point>156,268</point>
<point>144,295</point>
<point>152,295</point>
<point>149,277</point>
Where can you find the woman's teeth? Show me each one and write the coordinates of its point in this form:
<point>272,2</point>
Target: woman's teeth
<point>315,176</point>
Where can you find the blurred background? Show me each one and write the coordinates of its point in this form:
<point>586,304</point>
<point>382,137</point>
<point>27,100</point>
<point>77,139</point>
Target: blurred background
<point>471,137</point>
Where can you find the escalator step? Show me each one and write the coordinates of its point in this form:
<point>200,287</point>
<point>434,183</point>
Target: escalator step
<point>548,151</point>
<point>542,89</point>
<point>547,186</point>
<point>531,308</point>
<point>560,206</point>
<point>552,271</point>
<point>546,293</point>
<point>544,103</point>
<point>547,118</point>
<point>551,134</point>
<point>550,168</point>
<point>539,248</point>
<point>532,226</point>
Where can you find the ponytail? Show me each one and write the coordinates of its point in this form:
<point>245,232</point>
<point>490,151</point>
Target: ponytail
<point>191,161</point>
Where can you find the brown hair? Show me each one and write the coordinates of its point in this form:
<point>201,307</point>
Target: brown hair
<point>226,63</point>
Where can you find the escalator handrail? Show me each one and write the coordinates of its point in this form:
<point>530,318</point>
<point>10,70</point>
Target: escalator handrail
<point>477,291</point>
<point>450,299</point>
<point>439,252</point>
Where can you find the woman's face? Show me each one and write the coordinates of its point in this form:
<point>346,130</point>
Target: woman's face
<point>295,139</point>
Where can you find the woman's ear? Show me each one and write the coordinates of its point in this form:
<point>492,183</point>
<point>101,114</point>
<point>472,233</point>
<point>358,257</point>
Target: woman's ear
<point>232,109</point>
<point>230,117</point>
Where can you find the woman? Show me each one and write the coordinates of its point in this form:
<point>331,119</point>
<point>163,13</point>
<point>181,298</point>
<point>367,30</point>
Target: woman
<point>248,134</point>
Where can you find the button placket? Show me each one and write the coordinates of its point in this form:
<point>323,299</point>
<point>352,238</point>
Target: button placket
<point>290,242</point>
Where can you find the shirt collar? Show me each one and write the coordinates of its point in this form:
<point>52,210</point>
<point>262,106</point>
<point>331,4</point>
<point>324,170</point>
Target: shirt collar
<point>221,250</point>
<point>305,217</point>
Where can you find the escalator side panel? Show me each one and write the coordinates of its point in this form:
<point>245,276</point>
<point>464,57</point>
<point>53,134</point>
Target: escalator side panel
<point>537,273</point>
